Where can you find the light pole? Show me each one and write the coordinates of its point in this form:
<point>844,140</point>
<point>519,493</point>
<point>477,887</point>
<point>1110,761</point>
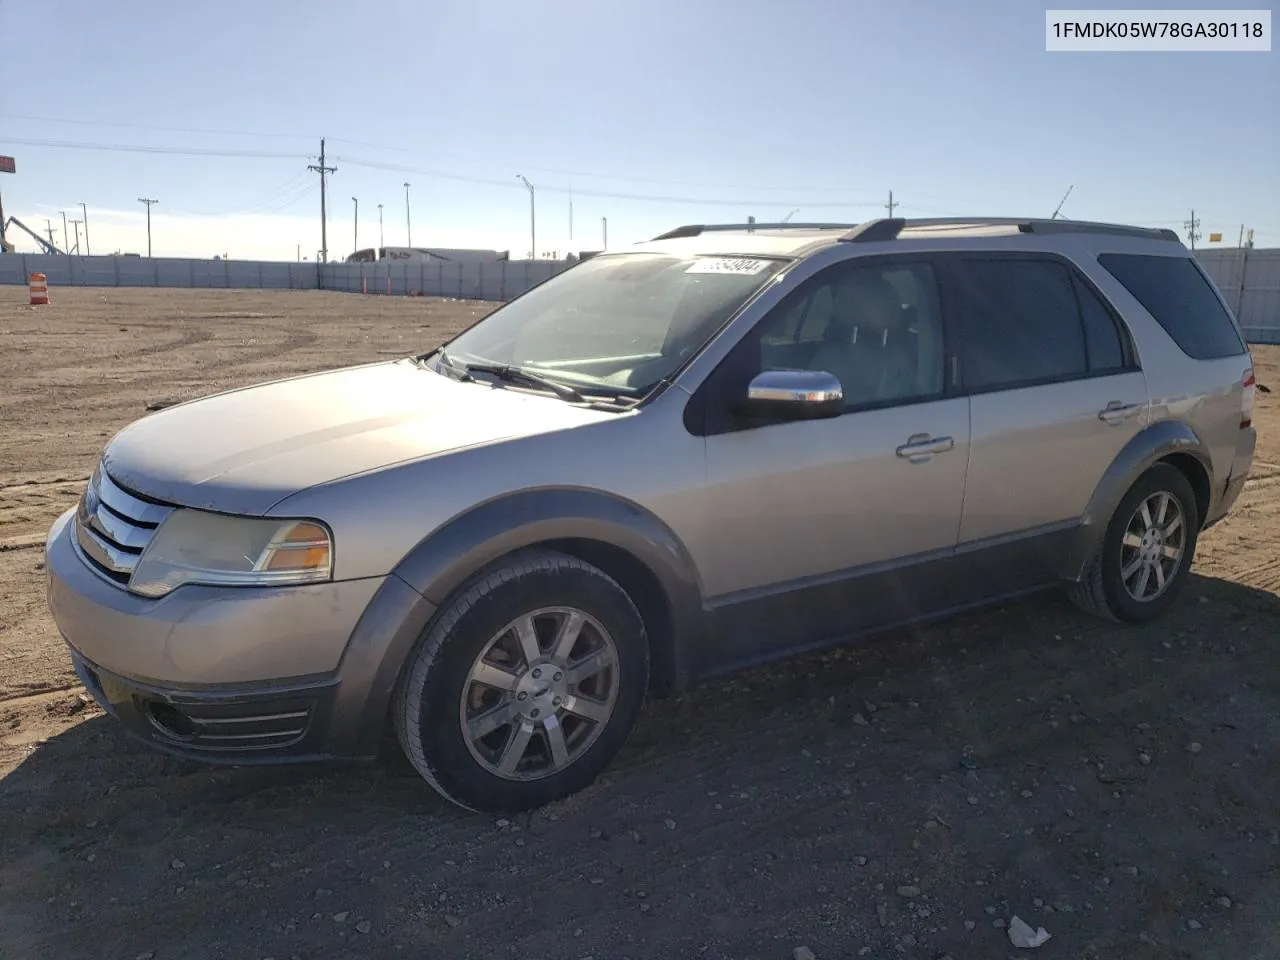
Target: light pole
<point>381,240</point>
<point>76,224</point>
<point>408,221</point>
<point>85,211</point>
<point>533,232</point>
<point>355,227</point>
<point>604,223</point>
<point>66,241</point>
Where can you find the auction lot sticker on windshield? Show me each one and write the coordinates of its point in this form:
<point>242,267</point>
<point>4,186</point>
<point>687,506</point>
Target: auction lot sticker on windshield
<point>740,266</point>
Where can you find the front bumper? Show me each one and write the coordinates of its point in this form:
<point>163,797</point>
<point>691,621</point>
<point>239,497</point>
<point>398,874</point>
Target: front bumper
<point>238,675</point>
<point>232,726</point>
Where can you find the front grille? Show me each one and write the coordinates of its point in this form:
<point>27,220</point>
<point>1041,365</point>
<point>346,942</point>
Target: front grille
<point>114,526</point>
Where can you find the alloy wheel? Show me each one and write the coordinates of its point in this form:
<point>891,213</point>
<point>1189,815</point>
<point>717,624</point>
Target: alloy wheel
<point>1153,546</point>
<point>540,693</point>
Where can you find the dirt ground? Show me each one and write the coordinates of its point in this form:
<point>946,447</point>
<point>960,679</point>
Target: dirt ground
<point>904,798</point>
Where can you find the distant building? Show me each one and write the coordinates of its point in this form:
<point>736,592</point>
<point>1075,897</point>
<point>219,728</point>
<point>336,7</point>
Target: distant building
<point>428,254</point>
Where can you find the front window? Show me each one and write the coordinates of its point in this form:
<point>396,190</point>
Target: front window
<point>618,323</point>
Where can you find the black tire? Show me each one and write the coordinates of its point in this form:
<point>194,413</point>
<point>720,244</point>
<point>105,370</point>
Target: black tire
<point>1101,590</point>
<point>428,699</point>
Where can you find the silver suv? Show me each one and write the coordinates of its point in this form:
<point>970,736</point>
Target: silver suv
<point>719,447</point>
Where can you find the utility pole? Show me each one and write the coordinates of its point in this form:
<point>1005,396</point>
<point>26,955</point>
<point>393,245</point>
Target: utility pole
<point>571,216</point>
<point>1193,229</point>
<point>355,227</point>
<point>324,217</point>
<point>299,252</point>
<point>604,223</point>
<point>77,223</point>
<point>48,228</point>
<point>381,240</point>
<point>890,205</point>
<point>533,231</point>
<point>148,202</point>
<point>1240,241</point>
<point>85,211</point>
<point>408,221</point>
<point>66,241</point>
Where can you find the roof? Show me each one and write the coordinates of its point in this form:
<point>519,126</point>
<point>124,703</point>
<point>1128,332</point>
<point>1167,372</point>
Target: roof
<point>794,240</point>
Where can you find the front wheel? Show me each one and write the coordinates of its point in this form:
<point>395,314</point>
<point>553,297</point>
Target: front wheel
<point>526,685</point>
<point>1146,552</point>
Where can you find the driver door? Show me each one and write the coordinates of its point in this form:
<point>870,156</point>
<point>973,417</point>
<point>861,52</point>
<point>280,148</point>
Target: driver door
<point>817,529</point>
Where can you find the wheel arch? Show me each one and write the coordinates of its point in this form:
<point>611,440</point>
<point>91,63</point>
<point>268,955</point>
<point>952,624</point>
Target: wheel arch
<point>1166,441</point>
<point>622,538</point>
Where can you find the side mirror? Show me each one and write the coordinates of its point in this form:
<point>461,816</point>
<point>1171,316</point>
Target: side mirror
<point>795,395</point>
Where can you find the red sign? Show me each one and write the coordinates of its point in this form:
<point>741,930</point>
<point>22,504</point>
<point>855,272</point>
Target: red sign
<point>7,165</point>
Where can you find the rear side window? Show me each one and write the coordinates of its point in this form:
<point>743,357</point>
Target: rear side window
<point>1102,338</point>
<point>1177,294</point>
<point>1020,323</point>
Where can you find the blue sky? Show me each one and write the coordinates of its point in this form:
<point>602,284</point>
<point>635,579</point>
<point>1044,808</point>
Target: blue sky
<point>653,114</point>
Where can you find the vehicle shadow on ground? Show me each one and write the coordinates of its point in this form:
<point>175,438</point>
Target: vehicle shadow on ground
<point>1114,784</point>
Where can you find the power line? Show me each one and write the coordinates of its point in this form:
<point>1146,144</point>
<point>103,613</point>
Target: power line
<point>382,146</point>
<point>290,186</point>
<point>144,148</point>
<point>604,194</point>
<point>439,174</point>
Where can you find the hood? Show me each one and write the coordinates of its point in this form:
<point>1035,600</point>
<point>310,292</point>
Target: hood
<point>245,450</point>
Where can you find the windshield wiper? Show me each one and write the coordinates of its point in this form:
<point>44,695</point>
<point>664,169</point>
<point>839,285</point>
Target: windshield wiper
<point>510,374</point>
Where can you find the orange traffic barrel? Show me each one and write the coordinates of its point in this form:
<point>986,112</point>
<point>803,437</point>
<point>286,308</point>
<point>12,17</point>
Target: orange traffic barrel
<point>39,289</point>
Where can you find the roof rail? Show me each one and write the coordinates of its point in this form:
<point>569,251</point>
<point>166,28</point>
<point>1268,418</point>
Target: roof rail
<point>874,231</point>
<point>696,229</point>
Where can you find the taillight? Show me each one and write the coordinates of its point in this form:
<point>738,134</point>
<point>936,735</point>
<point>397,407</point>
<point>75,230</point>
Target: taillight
<point>1246,398</point>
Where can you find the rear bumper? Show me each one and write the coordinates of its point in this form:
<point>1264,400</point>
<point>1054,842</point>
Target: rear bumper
<point>1240,467</point>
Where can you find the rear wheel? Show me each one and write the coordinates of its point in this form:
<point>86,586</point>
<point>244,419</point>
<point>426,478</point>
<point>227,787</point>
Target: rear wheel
<point>526,685</point>
<point>1146,552</point>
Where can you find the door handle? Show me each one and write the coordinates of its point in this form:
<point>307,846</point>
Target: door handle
<point>921,446</point>
<point>1117,412</point>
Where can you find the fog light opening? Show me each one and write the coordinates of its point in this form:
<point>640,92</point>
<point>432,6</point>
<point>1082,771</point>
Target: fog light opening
<point>170,721</point>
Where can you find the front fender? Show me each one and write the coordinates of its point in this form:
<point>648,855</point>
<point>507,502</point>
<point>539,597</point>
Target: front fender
<point>444,560</point>
<point>1157,441</point>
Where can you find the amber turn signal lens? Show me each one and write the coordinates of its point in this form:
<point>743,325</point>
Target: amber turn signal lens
<point>304,547</point>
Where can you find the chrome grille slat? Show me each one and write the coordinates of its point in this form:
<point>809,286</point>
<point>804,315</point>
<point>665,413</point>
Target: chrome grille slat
<point>119,530</point>
<point>262,718</point>
<point>107,556</point>
<point>113,527</point>
<point>247,737</point>
<point>127,505</point>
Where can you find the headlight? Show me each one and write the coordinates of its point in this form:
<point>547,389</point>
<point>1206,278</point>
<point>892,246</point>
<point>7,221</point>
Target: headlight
<point>192,546</point>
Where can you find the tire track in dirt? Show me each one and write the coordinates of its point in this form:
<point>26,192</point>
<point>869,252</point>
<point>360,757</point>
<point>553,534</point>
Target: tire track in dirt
<point>189,338</point>
<point>36,695</point>
<point>292,340</point>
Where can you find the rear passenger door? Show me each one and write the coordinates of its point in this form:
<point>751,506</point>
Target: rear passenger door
<point>1055,394</point>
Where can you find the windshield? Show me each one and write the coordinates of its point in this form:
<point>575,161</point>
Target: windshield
<point>616,323</point>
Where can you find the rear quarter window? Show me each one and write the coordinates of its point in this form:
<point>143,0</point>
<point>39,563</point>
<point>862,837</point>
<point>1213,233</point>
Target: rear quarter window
<point>1180,298</point>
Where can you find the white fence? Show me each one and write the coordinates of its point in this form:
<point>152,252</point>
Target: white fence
<point>1249,279</point>
<point>1250,282</point>
<point>474,281</point>
<point>466,281</point>
<point>157,272</point>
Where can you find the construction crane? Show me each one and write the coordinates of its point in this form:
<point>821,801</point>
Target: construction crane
<point>45,245</point>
